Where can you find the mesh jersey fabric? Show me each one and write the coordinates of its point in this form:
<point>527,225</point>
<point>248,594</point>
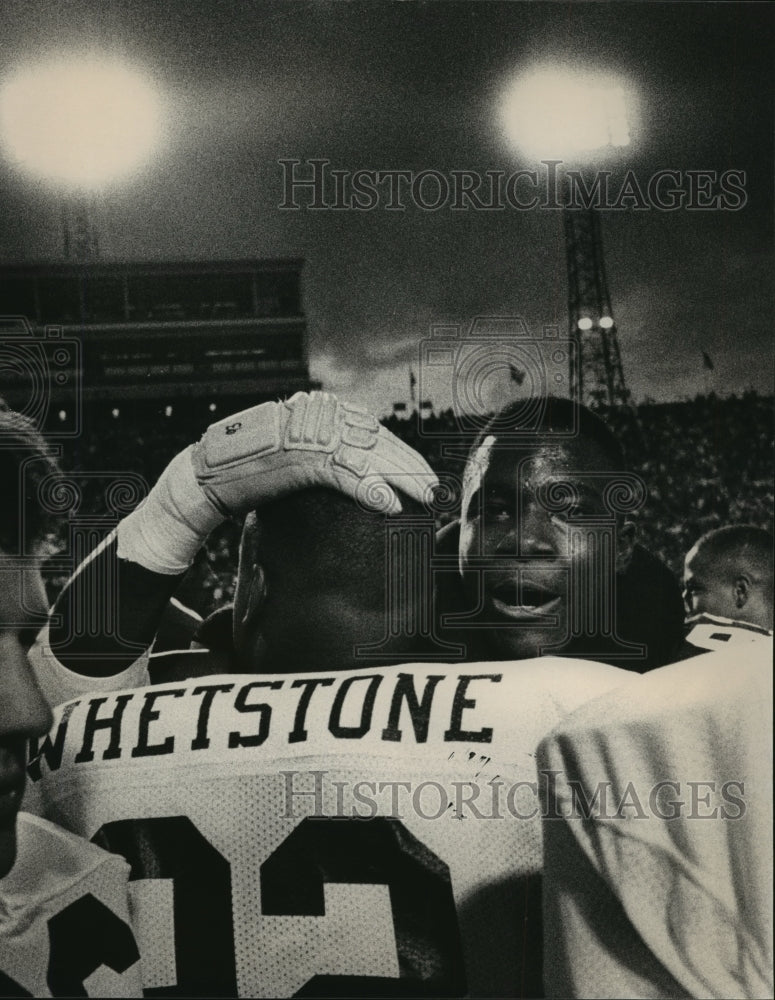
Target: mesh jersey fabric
<point>665,890</point>
<point>262,867</point>
<point>64,919</point>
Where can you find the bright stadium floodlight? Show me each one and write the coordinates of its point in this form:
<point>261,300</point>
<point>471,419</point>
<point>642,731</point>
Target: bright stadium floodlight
<point>555,112</point>
<point>79,121</point>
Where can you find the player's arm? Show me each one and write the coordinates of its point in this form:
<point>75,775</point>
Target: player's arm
<point>108,614</point>
<point>106,617</point>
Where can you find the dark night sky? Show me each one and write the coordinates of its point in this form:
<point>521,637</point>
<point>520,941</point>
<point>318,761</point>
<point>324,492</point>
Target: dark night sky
<point>415,86</point>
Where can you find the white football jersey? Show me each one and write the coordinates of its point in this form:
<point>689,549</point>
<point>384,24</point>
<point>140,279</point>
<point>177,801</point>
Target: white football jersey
<point>64,920</point>
<point>345,833</point>
<point>658,855</point>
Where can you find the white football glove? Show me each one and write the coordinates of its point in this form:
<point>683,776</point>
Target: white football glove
<point>261,454</point>
<point>311,439</point>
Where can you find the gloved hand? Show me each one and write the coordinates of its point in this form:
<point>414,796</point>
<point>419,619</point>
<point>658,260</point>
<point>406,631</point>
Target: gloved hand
<point>311,439</point>
<point>261,454</point>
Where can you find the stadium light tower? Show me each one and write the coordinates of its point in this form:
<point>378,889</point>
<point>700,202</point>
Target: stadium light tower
<point>80,122</point>
<point>576,116</point>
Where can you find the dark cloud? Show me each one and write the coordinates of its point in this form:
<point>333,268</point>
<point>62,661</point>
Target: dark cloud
<point>414,86</point>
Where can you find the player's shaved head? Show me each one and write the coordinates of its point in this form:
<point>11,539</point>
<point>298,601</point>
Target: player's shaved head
<point>740,546</point>
<point>729,572</point>
<point>313,581</point>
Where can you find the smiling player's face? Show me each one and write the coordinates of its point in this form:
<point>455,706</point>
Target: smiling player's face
<point>23,712</point>
<point>516,556</point>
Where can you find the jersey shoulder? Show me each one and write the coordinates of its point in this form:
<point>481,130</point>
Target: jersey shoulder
<point>725,670</point>
<point>50,860</point>
<point>64,918</point>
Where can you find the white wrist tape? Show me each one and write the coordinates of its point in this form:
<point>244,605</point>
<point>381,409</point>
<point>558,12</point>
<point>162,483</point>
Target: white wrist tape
<point>167,530</point>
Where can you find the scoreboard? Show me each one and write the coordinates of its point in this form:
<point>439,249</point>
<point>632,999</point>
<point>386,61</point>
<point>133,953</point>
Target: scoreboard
<point>227,331</point>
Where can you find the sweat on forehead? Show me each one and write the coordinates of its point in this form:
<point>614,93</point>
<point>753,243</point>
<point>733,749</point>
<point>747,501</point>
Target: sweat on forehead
<point>501,461</point>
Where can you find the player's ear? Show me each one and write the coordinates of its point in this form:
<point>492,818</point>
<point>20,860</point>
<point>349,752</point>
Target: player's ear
<point>252,605</point>
<point>742,591</point>
<point>625,543</point>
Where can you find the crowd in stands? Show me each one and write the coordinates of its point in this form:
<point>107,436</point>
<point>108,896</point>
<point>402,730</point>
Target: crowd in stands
<point>707,462</point>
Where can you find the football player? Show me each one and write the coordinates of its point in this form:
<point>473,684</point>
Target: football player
<point>547,550</point>
<point>331,820</point>
<point>268,452</point>
<point>658,842</point>
<point>728,574</point>
<point>63,901</point>
<point>336,829</point>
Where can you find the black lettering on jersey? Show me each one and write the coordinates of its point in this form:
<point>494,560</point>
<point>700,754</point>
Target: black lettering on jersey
<point>93,724</point>
<point>51,751</point>
<point>335,726</point>
<point>83,936</point>
<point>299,734</point>
<point>419,708</point>
<point>460,703</point>
<point>171,847</point>
<point>202,741</point>
<point>10,988</point>
<point>378,851</point>
<point>264,710</point>
<point>148,714</point>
